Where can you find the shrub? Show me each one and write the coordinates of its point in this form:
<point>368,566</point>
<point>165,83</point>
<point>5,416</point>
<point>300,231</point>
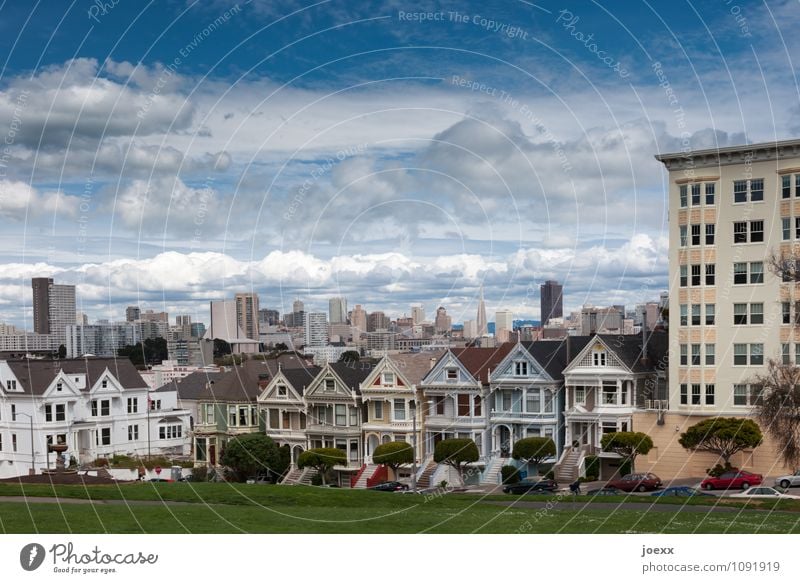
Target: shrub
<point>251,454</point>
<point>591,465</point>
<point>322,459</point>
<point>393,454</point>
<point>456,453</point>
<point>510,474</point>
<point>719,469</point>
<point>200,474</point>
<point>534,450</point>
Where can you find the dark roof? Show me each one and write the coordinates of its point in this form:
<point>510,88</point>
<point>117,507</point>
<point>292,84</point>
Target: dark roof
<point>555,355</point>
<point>479,361</point>
<point>300,378</point>
<point>192,385</point>
<point>352,373</point>
<point>36,375</point>
<point>628,348</point>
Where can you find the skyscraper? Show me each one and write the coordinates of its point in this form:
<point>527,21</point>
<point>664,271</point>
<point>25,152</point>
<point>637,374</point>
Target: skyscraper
<point>551,300</point>
<point>297,306</point>
<point>337,310</point>
<point>132,313</point>
<point>358,320</point>
<point>443,322</point>
<point>503,325</point>
<point>417,314</point>
<point>316,329</point>
<point>483,325</point>
<point>183,320</point>
<point>53,307</point>
<point>247,314</point>
<point>377,321</point>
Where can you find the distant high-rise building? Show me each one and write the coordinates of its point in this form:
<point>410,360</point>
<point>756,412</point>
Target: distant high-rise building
<point>418,314</point>
<point>132,313</point>
<point>53,307</point>
<point>551,300</point>
<point>377,321</point>
<point>601,320</point>
<point>247,314</point>
<point>483,325</point>
<point>337,310</point>
<point>151,316</point>
<point>470,329</point>
<point>268,318</point>
<point>81,318</point>
<point>297,306</point>
<point>183,320</point>
<point>503,325</point>
<point>198,329</point>
<point>443,322</point>
<point>358,320</point>
<point>316,329</point>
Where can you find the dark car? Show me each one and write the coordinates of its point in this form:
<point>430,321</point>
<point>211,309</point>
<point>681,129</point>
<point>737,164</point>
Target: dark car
<point>734,479</point>
<point>606,491</point>
<point>531,486</point>
<point>681,491</point>
<point>390,487</point>
<point>636,482</point>
<point>160,480</point>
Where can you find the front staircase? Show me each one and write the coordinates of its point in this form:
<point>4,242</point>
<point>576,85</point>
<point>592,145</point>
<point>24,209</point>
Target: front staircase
<point>426,477</point>
<point>567,469</point>
<point>298,476</point>
<point>368,472</point>
<point>491,475</point>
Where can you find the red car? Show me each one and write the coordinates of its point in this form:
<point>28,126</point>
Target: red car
<point>638,482</point>
<point>728,480</point>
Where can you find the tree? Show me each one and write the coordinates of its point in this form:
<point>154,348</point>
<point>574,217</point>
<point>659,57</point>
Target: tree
<point>778,408</point>
<point>62,351</point>
<point>322,459</point>
<point>456,453</point>
<point>281,346</point>
<point>350,356</point>
<point>534,450</point>
<point>628,444</point>
<point>153,351</point>
<point>250,455</point>
<point>393,454</point>
<point>221,348</point>
<point>723,436</point>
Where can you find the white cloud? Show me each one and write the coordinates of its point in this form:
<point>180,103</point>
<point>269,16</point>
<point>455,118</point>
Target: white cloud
<point>19,200</point>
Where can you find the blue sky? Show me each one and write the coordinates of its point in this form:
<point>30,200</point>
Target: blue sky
<point>393,152</point>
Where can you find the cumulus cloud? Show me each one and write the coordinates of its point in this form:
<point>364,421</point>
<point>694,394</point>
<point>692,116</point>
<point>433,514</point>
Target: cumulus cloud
<point>19,200</point>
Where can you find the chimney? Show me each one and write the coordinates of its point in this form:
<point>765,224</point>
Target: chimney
<point>433,362</point>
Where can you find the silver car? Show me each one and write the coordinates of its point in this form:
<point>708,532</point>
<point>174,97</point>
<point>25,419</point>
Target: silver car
<point>788,481</point>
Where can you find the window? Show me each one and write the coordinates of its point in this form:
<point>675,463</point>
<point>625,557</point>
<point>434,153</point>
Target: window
<point>231,415</point>
<point>786,354</point>
<point>710,315</point>
<point>756,394</point>
<point>1,442</point>
<point>13,442</point>
<point>695,195</point>
<point>740,232</point>
<point>476,406</point>
<point>170,431</point>
<point>696,275</point>
<point>740,191</point>
<point>283,391</point>
<point>740,354</point>
<point>533,401</point>
<point>695,355</point>
<point>505,400</point>
<point>133,432</point>
<point>756,231</point>
<point>548,402</point>
<point>273,418</point>
<point>797,227</point>
<point>243,416</point>
<point>710,394</point>
<point>797,184</point>
<point>94,408</point>
<point>103,407</point>
<point>341,415</point>
<point>797,352</point>
<point>756,313</point>
<point>710,191</point>
<point>387,378</point>
<point>59,386</point>
<point>103,436</point>
<point>13,412</point>
<point>756,354</point>
<point>711,274</point>
<point>739,314</point>
<point>786,186</point>
<point>684,355</point>
<point>757,272</point>
<point>739,273</point>
<point>710,232</point>
<point>684,394</point>
<point>609,393</point>
<point>155,404</point>
<point>757,189</point>
<point>740,395</point>
<point>683,235</point>
<point>440,405</point>
<point>59,410</point>
<point>521,368</point>
<point>580,394</point>
<point>786,314</point>
<point>786,228</point>
<point>400,408</point>
<point>695,314</point>
<point>377,409</point>
<point>452,374</point>
<point>695,235</point>
<point>353,416</point>
<point>104,383</point>
<point>133,405</point>
<point>683,195</point>
<point>684,321</point>
<point>209,411</point>
<point>330,385</point>
<point>695,394</point>
<point>599,358</point>
<point>463,405</point>
<point>11,385</point>
<point>684,275</point>
<point>710,353</point>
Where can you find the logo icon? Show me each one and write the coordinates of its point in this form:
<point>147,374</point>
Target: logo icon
<point>31,556</point>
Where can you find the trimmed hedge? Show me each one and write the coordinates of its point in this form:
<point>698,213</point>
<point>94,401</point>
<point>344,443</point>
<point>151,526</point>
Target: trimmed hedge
<point>510,474</point>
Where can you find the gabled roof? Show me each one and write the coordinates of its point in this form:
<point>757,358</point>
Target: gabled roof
<point>555,355</point>
<point>628,349</point>
<point>300,378</point>
<point>35,376</point>
<point>351,374</point>
<point>192,385</point>
<point>479,361</point>
<point>415,365</point>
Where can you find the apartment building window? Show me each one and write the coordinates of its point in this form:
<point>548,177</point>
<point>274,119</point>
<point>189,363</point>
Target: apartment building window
<point>695,195</point>
<point>710,353</point>
<point>695,235</point>
<point>756,231</point>
<point>286,421</point>
<point>740,191</point>
<point>744,190</point>
<point>133,405</point>
<point>341,415</point>
<point>684,192</point>
<point>548,401</point>
<point>797,184</point>
<point>684,316</point>
<point>533,401</point>
<point>757,189</point>
<point>756,354</point>
<point>710,192</point>
<point>710,314</point>
<point>13,412</point>
<point>59,386</point>
<point>786,186</point>
<point>521,368</point>
<point>786,313</point>
<point>740,354</point>
<point>400,408</point>
<point>463,405</point>
<point>684,273</point>
<point>695,314</point>
<point>786,353</point>
<point>757,272</point>
<point>133,432</point>
<point>757,313</point>
<point>243,416</point>
<point>711,274</point>
<point>1,442</point>
<point>696,278</point>
<point>155,404</point>
<point>695,355</point>
<point>104,384</point>
<point>710,233</point>
<point>710,394</point>
<point>739,314</point>
<point>684,355</point>
<point>740,395</point>
<point>747,395</point>
<point>740,232</point>
<point>11,385</point>
<point>684,394</point>
<point>695,394</point>
<point>786,228</point>
<point>377,409</point>
<point>683,235</point>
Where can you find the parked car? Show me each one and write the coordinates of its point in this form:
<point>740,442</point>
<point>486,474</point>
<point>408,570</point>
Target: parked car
<point>764,492</point>
<point>682,491</point>
<point>605,491</point>
<point>637,482</point>
<point>160,480</point>
<point>734,479</point>
<point>788,481</point>
<point>531,486</point>
<point>390,487</point>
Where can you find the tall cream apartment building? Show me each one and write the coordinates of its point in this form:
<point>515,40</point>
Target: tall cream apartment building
<point>729,209</point>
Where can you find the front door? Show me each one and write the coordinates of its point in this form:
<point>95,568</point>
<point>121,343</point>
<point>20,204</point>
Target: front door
<point>212,454</point>
<point>504,436</point>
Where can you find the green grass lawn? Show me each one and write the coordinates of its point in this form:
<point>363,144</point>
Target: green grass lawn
<point>225,508</point>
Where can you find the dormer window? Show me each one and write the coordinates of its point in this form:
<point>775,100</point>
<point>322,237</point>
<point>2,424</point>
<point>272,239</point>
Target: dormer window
<point>387,378</point>
<point>104,383</point>
<point>330,385</point>
<point>59,386</point>
<point>521,368</point>
<point>282,391</point>
<point>599,358</point>
<point>11,385</point>
<point>452,374</point>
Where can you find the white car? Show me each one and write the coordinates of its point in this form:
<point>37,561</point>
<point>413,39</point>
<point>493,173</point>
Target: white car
<point>788,481</point>
<point>764,492</point>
